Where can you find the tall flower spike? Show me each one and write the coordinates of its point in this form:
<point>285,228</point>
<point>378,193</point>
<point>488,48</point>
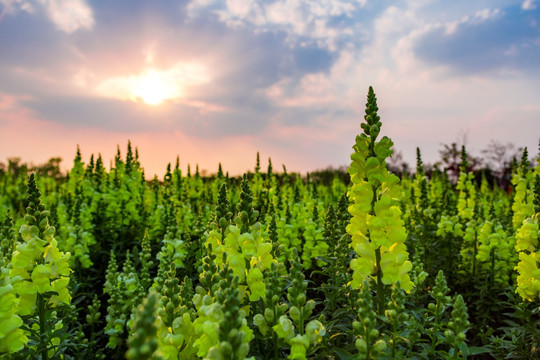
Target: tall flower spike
<point>527,240</point>
<point>38,265</point>
<point>143,342</point>
<point>376,227</point>
<point>246,215</point>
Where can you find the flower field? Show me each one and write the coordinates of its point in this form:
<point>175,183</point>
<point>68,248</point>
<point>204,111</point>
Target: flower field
<point>103,264</point>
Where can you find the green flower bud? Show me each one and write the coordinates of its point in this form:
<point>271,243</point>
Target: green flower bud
<point>391,313</point>
<point>145,350</point>
<point>374,131</point>
<point>226,347</point>
<point>269,315</point>
<point>294,313</point>
<point>380,346</point>
<point>361,345</point>
<point>310,305</point>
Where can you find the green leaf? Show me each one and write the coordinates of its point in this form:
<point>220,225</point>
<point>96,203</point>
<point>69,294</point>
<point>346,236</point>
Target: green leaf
<point>343,355</point>
<point>476,350</point>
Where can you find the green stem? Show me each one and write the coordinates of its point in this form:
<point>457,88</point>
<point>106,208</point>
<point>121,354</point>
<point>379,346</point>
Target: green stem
<point>435,326</point>
<point>301,321</point>
<point>42,327</point>
<point>475,251</point>
<point>274,337</point>
<point>394,337</point>
<point>274,341</point>
<point>368,353</point>
<point>492,278</point>
<point>380,285</point>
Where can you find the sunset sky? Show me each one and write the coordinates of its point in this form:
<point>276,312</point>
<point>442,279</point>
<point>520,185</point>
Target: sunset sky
<point>216,81</point>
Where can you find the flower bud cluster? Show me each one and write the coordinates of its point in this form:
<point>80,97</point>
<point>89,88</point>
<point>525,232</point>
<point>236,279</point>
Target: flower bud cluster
<point>369,342</point>
<point>458,325</point>
<point>314,244</point>
<point>234,334</point>
<point>304,337</point>
<point>143,342</point>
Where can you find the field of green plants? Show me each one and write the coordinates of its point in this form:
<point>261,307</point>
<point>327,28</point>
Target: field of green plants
<point>103,264</point>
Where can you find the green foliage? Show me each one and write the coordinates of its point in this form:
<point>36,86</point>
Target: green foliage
<point>270,265</point>
<point>143,342</point>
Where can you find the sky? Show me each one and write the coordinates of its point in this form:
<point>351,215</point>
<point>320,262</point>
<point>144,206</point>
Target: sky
<point>216,81</point>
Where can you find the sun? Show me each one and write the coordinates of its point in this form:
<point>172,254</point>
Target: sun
<point>153,87</point>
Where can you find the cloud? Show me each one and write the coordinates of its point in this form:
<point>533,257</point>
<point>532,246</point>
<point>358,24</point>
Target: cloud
<point>67,15</point>
<point>319,21</point>
<point>70,15</point>
<point>528,5</point>
<point>489,40</point>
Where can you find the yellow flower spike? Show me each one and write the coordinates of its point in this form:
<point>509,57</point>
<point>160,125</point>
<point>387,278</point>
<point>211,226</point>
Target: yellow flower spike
<point>214,238</point>
<point>364,194</point>
<point>395,266</point>
<point>527,235</point>
<point>238,265</point>
<point>376,228</point>
<point>247,244</point>
<point>60,286</point>
<point>27,299</point>
<point>22,262</point>
<point>60,267</point>
<point>12,338</point>
<point>256,284</point>
<point>522,207</point>
<point>299,346</point>
<point>264,256</point>
<point>232,238</point>
<point>284,328</point>
<point>41,276</point>
<point>362,268</point>
<point>529,276</point>
<point>315,330</point>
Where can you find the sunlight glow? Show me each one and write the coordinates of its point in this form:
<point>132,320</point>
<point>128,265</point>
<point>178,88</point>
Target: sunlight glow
<point>154,86</point>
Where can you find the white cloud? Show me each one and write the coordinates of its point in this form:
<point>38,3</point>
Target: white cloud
<point>528,5</point>
<point>12,7</point>
<point>297,18</point>
<point>70,15</point>
<point>67,15</point>
<point>487,14</point>
<point>479,17</point>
